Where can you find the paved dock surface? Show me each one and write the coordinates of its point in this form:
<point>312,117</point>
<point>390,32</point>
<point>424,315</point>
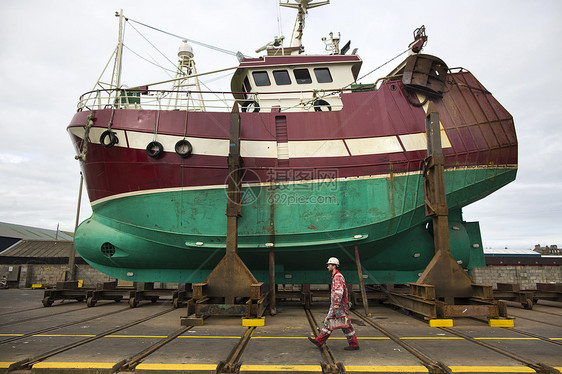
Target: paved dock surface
<point>69,337</point>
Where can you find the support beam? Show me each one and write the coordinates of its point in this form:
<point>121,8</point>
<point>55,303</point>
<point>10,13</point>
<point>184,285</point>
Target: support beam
<point>443,272</point>
<point>272,284</point>
<point>362,283</point>
<point>443,290</point>
<point>231,280</point>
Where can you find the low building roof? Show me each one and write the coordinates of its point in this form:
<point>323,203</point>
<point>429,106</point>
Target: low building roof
<point>510,252</point>
<point>10,230</point>
<point>39,249</point>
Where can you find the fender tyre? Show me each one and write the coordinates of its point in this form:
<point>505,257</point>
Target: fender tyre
<point>154,149</point>
<point>183,148</point>
<point>320,104</point>
<point>112,139</point>
<point>250,106</point>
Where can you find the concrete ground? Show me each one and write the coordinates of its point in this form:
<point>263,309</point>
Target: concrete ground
<point>279,346</point>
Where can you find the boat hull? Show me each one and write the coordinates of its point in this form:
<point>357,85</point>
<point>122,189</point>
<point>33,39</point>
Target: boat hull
<point>179,235</point>
<point>315,185</point>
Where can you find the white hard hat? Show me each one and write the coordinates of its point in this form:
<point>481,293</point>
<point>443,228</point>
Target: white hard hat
<point>333,261</point>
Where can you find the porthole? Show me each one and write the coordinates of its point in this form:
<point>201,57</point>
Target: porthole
<point>108,249</point>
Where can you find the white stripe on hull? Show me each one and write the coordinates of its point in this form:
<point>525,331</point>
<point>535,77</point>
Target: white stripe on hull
<point>268,148</point>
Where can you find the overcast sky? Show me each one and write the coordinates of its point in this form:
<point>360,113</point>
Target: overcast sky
<point>53,51</point>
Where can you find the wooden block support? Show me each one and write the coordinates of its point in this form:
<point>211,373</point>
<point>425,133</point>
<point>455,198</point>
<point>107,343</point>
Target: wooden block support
<point>501,322</point>
<point>251,322</point>
<point>447,322</point>
<point>191,321</point>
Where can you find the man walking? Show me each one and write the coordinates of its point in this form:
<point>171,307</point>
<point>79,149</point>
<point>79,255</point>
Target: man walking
<point>339,307</point>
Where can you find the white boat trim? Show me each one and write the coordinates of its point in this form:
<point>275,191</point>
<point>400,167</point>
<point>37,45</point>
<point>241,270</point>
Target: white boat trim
<point>268,148</point>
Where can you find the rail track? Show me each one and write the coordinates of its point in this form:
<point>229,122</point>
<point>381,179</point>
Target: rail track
<point>43,316</point>
<point>537,366</point>
<point>535,320</point>
<point>26,364</point>
<point>435,366</point>
<point>328,361</point>
<point>47,329</point>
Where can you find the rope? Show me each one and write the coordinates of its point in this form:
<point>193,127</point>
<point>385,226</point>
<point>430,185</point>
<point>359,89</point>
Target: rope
<point>153,46</point>
<point>377,68</point>
<point>184,38</point>
<point>150,62</point>
<point>82,155</point>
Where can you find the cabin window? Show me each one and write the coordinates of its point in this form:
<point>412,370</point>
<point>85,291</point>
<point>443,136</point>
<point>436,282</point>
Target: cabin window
<point>323,75</point>
<point>247,85</point>
<point>281,77</point>
<point>302,76</point>
<point>261,78</point>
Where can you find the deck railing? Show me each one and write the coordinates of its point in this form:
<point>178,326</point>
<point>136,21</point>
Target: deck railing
<point>210,101</point>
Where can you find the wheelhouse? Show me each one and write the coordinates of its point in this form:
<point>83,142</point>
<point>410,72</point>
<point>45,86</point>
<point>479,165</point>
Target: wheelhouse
<point>294,83</point>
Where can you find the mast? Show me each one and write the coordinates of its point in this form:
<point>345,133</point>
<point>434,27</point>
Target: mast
<point>186,77</point>
<point>302,6</point>
<point>116,75</point>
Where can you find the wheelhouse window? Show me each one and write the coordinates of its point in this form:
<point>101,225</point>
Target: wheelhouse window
<point>261,78</point>
<point>247,86</point>
<point>281,77</point>
<point>323,75</point>
<point>302,76</point>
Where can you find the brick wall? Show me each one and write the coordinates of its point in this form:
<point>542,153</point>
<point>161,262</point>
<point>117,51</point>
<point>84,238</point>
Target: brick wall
<point>525,276</point>
<point>51,274</point>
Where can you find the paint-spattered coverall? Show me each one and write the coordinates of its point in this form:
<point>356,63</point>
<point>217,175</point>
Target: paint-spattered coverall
<point>338,298</point>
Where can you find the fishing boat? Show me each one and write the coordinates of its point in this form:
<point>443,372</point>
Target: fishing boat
<point>329,164</point>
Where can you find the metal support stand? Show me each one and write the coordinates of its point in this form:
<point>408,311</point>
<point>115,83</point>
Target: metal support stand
<point>230,289</point>
<point>362,283</point>
<point>72,251</point>
<point>66,290</point>
<point>444,290</point>
<point>272,284</point>
<point>528,298</point>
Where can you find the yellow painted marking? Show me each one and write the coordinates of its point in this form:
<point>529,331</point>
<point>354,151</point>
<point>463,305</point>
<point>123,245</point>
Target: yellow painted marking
<point>500,322</point>
<point>281,368</point>
<point>492,338</point>
<point>208,337</point>
<point>280,337</point>
<point>386,369</point>
<point>73,365</point>
<point>212,367</point>
<point>491,369</point>
<point>447,322</point>
<point>250,322</point>
<point>433,337</point>
<point>65,335</point>
<point>39,285</point>
<point>136,336</point>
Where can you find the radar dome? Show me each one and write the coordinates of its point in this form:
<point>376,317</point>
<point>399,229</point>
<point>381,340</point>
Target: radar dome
<point>185,50</point>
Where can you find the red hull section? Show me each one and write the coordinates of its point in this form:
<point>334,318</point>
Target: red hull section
<point>479,129</point>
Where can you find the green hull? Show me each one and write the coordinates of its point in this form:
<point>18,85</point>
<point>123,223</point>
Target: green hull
<point>179,236</point>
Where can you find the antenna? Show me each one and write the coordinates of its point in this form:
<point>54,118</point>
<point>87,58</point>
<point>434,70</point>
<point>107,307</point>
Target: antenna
<point>302,6</point>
